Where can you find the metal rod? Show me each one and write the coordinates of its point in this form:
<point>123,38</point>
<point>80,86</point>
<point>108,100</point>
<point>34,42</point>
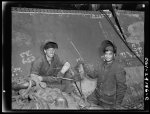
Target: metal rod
<point>78,89</point>
<point>63,78</point>
<point>76,49</point>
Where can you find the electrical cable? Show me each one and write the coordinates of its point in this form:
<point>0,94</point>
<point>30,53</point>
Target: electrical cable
<point>117,22</point>
<point>120,35</point>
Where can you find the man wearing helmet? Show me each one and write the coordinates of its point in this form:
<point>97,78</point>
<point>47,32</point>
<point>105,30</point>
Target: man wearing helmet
<point>111,78</point>
<point>48,66</point>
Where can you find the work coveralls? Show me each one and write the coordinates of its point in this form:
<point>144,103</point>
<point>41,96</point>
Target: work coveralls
<point>42,68</point>
<point>111,87</point>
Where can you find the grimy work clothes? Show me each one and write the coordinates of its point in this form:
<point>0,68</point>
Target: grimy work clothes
<point>42,68</point>
<point>111,87</point>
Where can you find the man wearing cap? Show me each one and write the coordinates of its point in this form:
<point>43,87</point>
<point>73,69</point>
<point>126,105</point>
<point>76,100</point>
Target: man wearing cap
<point>111,78</point>
<point>48,66</point>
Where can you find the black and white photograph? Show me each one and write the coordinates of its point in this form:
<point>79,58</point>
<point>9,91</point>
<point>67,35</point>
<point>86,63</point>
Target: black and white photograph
<point>74,56</point>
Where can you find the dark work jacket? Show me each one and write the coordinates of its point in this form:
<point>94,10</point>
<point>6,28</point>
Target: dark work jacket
<point>42,68</point>
<point>111,81</point>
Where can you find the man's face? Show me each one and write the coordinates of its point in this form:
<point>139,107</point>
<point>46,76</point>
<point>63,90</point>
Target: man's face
<point>50,52</point>
<point>109,55</point>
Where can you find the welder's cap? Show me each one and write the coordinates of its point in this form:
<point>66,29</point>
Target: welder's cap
<point>109,48</point>
<point>107,45</point>
<point>50,45</point>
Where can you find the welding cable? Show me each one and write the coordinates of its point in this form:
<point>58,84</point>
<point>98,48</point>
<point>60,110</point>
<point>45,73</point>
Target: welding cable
<point>108,19</point>
<point>121,37</point>
<point>118,24</point>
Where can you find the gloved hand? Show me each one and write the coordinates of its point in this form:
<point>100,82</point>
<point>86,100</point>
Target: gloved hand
<point>65,68</point>
<point>78,65</point>
<point>80,61</point>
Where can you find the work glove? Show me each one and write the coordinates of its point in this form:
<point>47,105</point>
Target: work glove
<point>65,68</point>
<point>80,61</point>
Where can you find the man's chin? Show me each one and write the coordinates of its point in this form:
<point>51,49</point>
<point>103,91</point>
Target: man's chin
<point>108,60</point>
<point>51,56</point>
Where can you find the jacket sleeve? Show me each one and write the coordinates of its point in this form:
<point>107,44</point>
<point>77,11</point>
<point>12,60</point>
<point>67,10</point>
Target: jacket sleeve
<point>58,64</point>
<point>121,85</point>
<point>35,66</point>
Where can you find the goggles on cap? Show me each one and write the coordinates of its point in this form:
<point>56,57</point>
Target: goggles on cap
<point>109,48</point>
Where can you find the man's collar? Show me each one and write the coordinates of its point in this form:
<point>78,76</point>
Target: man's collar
<point>109,64</point>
